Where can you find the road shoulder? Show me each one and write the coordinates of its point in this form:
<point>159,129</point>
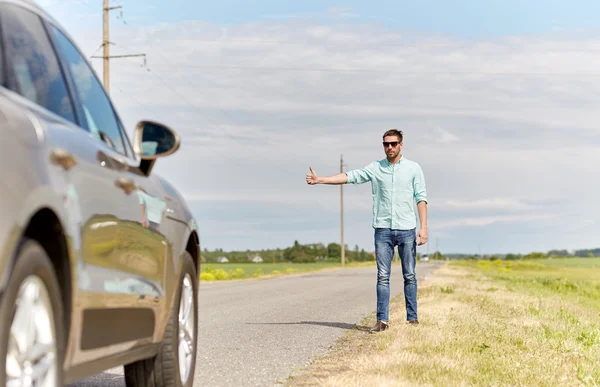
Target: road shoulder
<point>359,343</point>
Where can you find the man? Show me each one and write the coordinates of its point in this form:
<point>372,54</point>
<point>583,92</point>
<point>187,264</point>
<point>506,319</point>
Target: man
<point>397,183</point>
<point>152,209</point>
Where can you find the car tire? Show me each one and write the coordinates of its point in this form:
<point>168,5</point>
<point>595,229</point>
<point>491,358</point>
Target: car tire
<point>164,370</point>
<point>31,306</point>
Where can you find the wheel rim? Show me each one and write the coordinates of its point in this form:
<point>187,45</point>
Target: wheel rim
<point>31,353</point>
<point>187,323</point>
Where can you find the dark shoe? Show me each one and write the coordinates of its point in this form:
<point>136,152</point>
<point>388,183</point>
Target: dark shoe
<point>380,326</point>
<point>413,322</point>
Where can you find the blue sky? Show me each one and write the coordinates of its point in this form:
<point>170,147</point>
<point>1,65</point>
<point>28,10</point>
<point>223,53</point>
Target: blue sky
<point>465,18</point>
<point>498,101</point>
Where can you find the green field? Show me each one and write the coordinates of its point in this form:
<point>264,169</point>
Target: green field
<point>571,262</point>
<point>229,271</point>
<point>575,280</point>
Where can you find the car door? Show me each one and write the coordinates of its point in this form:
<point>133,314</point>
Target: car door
<point>116,276</point>
<point>134,265</point>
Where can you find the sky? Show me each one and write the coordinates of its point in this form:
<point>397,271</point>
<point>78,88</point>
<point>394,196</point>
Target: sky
<point>498,102</point>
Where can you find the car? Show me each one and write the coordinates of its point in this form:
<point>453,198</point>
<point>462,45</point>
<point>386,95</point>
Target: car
<point>99,255</point>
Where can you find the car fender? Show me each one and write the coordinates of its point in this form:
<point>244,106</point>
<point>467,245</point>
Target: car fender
<point>40,198</point>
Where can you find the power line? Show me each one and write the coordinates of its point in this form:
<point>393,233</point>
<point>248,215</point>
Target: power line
<point>191,104</point>
<point>358,70</point>
<point>98,49</point>
<point>106,44</point>
<point>184,98</point>
<point>396,44</point>
<point>386,71</point>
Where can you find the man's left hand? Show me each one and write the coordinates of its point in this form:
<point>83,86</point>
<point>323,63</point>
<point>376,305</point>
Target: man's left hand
<point>422,235</point>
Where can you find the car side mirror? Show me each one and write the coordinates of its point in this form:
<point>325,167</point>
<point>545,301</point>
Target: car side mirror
<point>152,140</point>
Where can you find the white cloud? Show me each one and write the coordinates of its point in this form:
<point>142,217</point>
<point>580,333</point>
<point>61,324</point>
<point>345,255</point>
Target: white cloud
<point>342,13</point>
<point>490,220</point>
<point>504,204</point>
<point>444,135</point>
<point>505,130</point>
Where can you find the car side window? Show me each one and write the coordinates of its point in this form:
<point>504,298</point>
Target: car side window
<point>35,72</point>
<point>98,115</point>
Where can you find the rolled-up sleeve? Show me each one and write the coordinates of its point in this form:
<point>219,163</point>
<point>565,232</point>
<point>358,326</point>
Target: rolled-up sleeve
<point>419,187</point>
<point>360,176</point>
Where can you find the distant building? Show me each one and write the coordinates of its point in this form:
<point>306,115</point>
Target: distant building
<point>222,260</point>
<point>254,258</point>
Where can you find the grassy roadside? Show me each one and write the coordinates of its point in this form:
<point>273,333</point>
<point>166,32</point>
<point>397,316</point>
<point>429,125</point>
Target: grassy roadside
<point>482,323</point>
<point>238,271</point>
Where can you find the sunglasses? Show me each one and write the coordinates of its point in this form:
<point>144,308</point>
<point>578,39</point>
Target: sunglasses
<point>393,144</point>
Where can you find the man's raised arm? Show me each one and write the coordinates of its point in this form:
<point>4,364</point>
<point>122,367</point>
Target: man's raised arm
<point>312,178</point>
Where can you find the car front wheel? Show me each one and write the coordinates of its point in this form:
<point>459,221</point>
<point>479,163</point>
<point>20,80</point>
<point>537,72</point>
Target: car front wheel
<point>174,365</point>
<point>30,312</point>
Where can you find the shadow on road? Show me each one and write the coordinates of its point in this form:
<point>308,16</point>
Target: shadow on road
<point>104,379</point>
<point>322,323</point>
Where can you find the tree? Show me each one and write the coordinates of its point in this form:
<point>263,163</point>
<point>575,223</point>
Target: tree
<point>364,256</point>
<point>299,253</point>
<point>334,250</point>
<point>535,255</point>
<point>587,253</point>
<point>558,253</point>
<point>318,250</point>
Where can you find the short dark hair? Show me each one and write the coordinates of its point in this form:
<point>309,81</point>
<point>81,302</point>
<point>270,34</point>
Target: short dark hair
<point>393,132</point>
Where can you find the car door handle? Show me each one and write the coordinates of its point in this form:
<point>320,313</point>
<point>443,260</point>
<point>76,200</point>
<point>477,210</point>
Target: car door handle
<point>125,184</point>
<point>63,158</point>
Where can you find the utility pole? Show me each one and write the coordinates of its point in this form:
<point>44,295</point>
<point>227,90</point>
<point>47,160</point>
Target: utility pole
<point>106,44</point>
<point>342,211</point>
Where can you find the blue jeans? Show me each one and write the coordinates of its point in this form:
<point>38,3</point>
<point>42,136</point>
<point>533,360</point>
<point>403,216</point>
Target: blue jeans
<point>406,240</point>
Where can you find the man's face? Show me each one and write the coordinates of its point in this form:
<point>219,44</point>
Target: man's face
<point>392,146</point>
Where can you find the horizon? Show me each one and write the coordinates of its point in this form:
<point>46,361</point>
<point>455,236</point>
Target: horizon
<point>571,252</point>
<point>497,103</point>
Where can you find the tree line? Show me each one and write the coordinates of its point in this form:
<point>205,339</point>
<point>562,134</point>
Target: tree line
<point>299,253</point>
<point>318,252</point>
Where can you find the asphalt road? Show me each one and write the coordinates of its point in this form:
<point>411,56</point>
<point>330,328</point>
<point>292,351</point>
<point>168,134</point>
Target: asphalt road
<point>255,333</point>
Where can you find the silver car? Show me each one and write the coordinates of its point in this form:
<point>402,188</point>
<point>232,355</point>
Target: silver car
<point>99,256</point>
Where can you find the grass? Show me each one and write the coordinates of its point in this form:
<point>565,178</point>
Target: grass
<point>482,323</point>
<point>231,271</point>
<point>576,280</point>
<point>593,263</point>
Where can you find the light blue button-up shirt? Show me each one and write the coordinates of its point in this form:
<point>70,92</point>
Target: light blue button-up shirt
<point>396,187</point>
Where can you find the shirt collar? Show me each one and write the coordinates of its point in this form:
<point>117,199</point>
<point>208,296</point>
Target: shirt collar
<point>387,162</point>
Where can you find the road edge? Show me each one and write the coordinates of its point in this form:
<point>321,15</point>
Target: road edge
<point>346,340</point>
